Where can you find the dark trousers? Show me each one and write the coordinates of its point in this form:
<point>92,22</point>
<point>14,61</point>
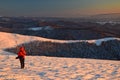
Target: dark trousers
<point>22,62</point>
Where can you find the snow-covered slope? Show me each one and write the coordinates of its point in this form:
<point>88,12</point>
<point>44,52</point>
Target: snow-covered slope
<point>8,40</point>
<point>51,68</point>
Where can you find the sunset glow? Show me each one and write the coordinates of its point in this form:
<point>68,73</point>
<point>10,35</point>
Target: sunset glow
<point>58,8</point>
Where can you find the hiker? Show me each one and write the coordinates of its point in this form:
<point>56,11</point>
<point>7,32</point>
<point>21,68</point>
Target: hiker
<point>21,56</point>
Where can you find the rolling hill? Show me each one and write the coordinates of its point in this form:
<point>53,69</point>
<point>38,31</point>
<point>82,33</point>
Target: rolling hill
<point>55,68</point>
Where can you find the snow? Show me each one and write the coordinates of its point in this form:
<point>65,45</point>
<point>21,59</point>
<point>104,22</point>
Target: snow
<point>48,28</point>
<point>99,41</point>
<point>40,28</point>
<point>110,22</point>
<point>53,68</point>
<point>8,40</point>
<point>35,28</point>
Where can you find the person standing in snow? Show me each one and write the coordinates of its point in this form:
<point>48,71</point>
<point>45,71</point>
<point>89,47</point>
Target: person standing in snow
<point>21,56</point>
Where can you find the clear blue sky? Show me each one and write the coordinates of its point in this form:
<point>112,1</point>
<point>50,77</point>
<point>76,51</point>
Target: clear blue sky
<point>57,8</point>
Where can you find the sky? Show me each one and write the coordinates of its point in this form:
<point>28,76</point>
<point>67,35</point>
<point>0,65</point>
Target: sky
<point>58,8</point>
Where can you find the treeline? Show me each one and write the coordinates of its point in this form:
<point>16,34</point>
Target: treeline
<point>107,50</point>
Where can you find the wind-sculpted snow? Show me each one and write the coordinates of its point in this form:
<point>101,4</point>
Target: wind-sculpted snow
<point>52,68</point>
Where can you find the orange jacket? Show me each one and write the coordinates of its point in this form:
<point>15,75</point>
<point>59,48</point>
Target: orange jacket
<point>22,52</point>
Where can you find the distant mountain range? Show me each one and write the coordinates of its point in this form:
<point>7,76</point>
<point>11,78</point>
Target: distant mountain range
<point>109,15</point>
